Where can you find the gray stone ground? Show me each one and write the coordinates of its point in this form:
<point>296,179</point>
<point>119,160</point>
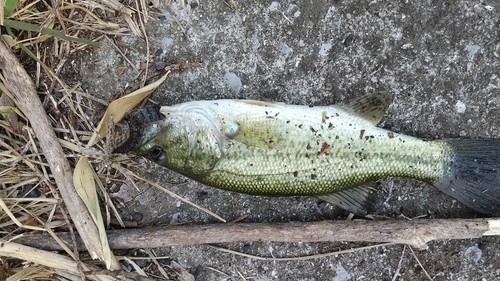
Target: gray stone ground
<point>440,59</point>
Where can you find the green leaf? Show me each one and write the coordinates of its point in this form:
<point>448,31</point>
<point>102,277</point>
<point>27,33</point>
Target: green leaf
<point>27,51</point>
<point>44,30</point>
<point>10,6</point>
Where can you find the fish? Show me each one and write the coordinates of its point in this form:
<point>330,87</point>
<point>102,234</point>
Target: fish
<point>335,152</point>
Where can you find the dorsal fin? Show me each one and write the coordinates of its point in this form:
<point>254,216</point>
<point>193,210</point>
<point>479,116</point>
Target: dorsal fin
<point>262,103</point>
<point>370,107</point>
<point>357,200</point>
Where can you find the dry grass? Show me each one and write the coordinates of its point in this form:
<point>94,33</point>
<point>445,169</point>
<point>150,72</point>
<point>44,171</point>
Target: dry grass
<point>30,200</point>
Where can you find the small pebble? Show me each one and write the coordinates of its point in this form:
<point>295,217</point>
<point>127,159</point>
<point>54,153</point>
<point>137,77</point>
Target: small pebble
<point>120,252</point>
<point>473,253</point>
<point>460,107</point>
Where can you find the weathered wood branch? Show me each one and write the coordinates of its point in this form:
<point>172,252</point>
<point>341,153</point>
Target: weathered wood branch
<point>20,85</point>
<point>415,233</point>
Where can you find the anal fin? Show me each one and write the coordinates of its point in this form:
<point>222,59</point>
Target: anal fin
<point>358,200</point>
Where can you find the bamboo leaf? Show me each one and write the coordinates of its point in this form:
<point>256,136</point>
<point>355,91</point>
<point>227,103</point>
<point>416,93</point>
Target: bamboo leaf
<point>84,181</point>
<point>47,31</point>
<point>83,178</point>
<point>118,108</point>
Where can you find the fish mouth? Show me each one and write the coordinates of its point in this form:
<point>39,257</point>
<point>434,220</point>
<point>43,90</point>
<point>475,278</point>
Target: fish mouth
<point>139,122</point>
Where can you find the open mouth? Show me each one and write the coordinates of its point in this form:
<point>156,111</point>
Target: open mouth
<point>137,123</point>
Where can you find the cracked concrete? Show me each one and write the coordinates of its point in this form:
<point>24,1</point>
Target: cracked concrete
<point>440,60</point>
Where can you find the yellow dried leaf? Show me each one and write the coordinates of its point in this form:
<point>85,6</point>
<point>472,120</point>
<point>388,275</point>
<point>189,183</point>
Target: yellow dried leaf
<point>118,108</point>
<point>84,181</point>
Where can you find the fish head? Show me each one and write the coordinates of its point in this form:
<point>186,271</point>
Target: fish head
<point>165,144</point>
<point>184,141</point>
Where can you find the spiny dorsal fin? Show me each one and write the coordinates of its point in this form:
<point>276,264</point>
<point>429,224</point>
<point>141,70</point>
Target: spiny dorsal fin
<point>357,200</point>
<point>262,103</point>
<point>370,107</point>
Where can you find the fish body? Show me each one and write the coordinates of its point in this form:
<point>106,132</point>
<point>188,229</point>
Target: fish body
<point>332,152</point>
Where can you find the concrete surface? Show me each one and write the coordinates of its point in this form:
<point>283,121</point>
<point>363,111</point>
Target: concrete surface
<point>440,59</point>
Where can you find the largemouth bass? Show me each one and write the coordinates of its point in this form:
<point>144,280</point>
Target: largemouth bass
<point>332,152</point>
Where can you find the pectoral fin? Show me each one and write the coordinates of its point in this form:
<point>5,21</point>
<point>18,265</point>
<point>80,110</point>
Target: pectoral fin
<point>358,200</point>
<point>259,134</point>
<point>371,107</point>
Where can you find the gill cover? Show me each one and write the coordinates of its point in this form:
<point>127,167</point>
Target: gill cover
<point>188,140</point>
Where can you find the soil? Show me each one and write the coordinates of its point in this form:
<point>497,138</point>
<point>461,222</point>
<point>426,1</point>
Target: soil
<point>440,60</point>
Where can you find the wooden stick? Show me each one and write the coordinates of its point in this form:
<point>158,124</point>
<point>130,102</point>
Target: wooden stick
<point>415,233</point>
<point>20,85</point>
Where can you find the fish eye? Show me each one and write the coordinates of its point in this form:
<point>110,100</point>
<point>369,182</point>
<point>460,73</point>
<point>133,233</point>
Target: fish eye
<point>157,152</point>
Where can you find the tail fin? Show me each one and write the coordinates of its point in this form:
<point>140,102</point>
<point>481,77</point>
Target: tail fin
<point>473,176</point>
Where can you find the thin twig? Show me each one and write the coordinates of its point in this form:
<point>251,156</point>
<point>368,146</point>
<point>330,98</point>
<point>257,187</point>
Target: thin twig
<point>176,196</point>
<point>395,276</point>
<point>218,271</point>
<point>153,257</point>
<point>178,22</point>
<point>122,54</point>
<point>231,4</point>
<point>302,258</point>
<point>142,14</point>
<point>421,266</point>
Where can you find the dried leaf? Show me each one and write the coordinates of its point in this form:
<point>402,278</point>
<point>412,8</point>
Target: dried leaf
<point>118,108</point>
<point>84,181</point>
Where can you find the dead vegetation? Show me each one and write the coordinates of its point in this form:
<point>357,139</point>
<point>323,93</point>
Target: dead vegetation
<point>65,187</point>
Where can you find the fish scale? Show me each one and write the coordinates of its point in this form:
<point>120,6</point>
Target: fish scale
<point>297,167</point>
<point>332,152</point>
